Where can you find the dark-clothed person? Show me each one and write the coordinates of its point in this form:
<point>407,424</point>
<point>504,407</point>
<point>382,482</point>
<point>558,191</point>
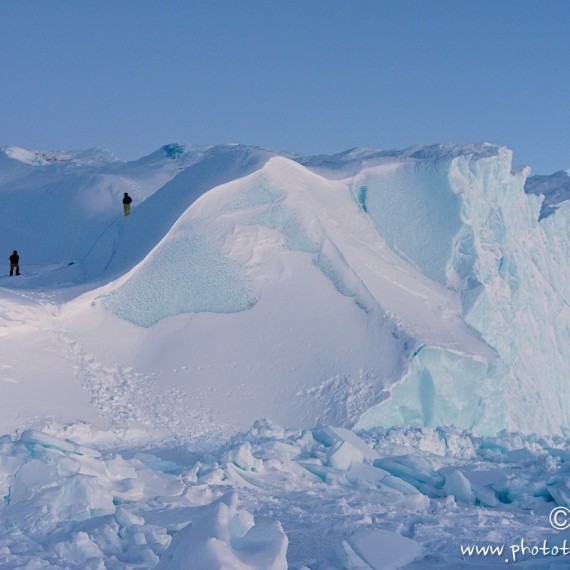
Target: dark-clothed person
<point>127,204</point>
<point>14,263</point>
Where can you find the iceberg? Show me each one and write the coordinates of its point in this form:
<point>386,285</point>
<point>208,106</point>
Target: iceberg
<point>418,287</point>
<point>442,244</point>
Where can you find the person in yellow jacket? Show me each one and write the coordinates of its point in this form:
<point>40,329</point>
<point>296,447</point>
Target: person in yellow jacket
<point>127,204</point>
<point>14,263</point>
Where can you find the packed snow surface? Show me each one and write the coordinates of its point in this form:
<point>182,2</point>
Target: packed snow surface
<point>402,314</point>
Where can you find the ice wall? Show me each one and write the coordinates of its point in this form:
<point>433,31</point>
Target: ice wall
<point>414,209</point>
<point>511,272</point>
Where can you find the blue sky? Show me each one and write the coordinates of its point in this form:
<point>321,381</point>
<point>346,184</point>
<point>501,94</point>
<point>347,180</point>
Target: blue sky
<point>304,76</point>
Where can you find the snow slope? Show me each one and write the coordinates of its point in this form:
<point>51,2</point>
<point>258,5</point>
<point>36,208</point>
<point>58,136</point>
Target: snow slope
<point>393,310</point>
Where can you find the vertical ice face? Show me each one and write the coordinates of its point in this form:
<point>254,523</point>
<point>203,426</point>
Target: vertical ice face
<point>414,208</point>
<point>511,273</point>
<point>521,309</point>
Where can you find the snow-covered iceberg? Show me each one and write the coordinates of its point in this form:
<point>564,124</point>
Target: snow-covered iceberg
<point>369,288</point>
<point>440,247</point>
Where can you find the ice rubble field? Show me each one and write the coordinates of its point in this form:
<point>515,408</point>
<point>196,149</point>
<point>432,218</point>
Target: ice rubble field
<point>274,498</point>
<point>402,313</point>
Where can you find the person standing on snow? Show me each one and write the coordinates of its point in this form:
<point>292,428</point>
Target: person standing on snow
<point>127,204</point>
<point>14,263</point>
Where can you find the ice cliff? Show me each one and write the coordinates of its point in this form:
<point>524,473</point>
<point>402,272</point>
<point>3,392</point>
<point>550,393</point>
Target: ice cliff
<point>479,233</point>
